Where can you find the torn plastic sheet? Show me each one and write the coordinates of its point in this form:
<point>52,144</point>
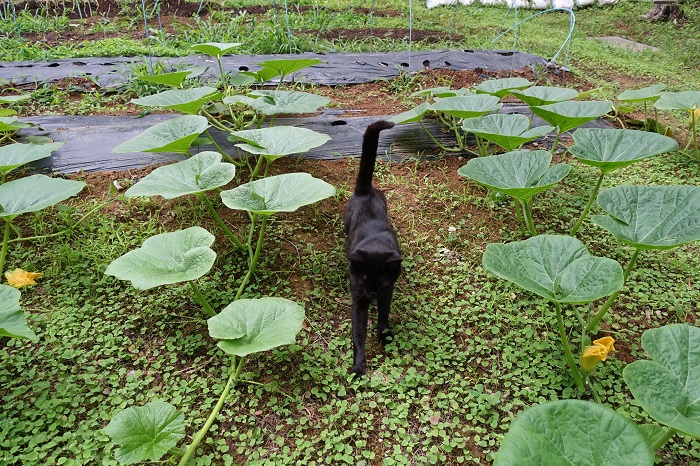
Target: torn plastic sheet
<point>336,69</point>
<point>90,140</point>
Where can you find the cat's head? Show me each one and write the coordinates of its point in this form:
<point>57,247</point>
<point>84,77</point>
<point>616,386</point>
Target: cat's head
<point>374,270</point>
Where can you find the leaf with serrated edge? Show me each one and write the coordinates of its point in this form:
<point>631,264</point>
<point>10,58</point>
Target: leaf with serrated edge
<point>254,325</point>
<point>279,141</point>
<point>568,115</point>
<point>201,172</point>
<point>573,432</point>
<point>467,106</point>
<point>517,174</point>
<point>174,135</point>
<point>13,322</point>
<point>508,131</point>
<point>668,388</point>
<point>286,102</point>
<point>146,433</point>
<point>166,258</point>
<point>35,192</point>
<point>187,101</point>
<point>18,154</point>
<point>651,217</point>
<point>610,149</point>
<point>280,193</point>
<point>556,267</point>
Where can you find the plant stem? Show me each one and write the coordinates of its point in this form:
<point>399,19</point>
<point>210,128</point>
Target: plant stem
<point>527,213</point>
<point>661,441</point>
<point>599,315</point>
<point>199,297</point>
<point>587,209</point>
<point>437,143</point>
<point>222,152</point>
<point>519,217</point>
<point>5,241</point>
<point>232,379</point>
<point>254,260</point>
<point>221,223</point>
<point>567,349</point>
<point>556,142</point>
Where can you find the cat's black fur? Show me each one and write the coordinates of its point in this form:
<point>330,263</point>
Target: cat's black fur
<point>372,250</point>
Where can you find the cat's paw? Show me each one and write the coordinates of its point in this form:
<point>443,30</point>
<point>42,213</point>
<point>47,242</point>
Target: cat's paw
<point>359,369</point>
<point>385,336</point>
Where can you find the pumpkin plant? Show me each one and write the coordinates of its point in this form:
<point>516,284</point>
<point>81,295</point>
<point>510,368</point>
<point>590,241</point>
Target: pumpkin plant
<point>559,269</point>
<point>242,328</point>
<point>688,101</point>
<point>520,175</point>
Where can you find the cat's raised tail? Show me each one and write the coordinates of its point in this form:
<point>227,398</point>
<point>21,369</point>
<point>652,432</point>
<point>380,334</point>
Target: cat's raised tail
<point>370,142</point>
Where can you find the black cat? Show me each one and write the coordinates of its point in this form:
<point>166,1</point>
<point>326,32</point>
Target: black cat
<point>372,251</point>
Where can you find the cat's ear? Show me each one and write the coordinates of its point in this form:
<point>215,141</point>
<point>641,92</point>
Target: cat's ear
<point>357,257</point>
<point>394,258</point>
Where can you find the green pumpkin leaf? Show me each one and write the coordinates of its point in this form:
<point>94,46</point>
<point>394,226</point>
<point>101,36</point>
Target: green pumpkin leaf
<point>502,87</point>
<point>174,79</point>
<point>249,326</point>
<point>146,433</point>
<point>517,174</point>
<point>35,192</point>
<point>286,102</point>
<point>544,95</point>
<point>201,172</point>
<point>285,67</point>
<point>13,322</point>
<point>174,135</point>
<point>568,115</point>
<point>15,155</point>
<point>508,131</point>
<point>686,100</point>
<point>610,149</point>
<point>467,106</point>
<point>645,94</point>
<point>167,258</point>
<point>278,141</point>
<point>411,116</point>
<point>187,101</point>
<point>651,217</point>
<point>215,49</point>
<point>668,388</point>
<point>556,267</point>
<point>281,193</point>
<point>13,99</point>
<point>573,432</point>
<point>11,123</point>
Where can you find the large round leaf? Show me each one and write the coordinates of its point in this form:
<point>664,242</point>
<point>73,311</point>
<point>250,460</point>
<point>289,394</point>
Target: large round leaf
<point>12,123</point>
<point>544,95</point>
<point>573,432</point>
<point>280,193</point>
<point>16,155</point>
<point>651,217</point>
<point>187,101</point>
<point>279,141</point>
<point>35,192</point>
<point>201,172</point>
<point>686,100</point>
<point>216,49</point>
<point>287,66</point>
<point>502,87</point>
<point>283,102</point>
<point>517,174</point>
<point>146,433</point>
<point>571,114</point>
<point>558,268</point>
<point>411,116</point>
<point>508,131</point>
<point>13,322</point>
<point>12,99</point>
<point>610,149</point>
<point>644,94</point>
<point>175,257</point>
<point>467,106</point>
<point>668,388</point>
<point>174,135</point>
<point>253,325</point>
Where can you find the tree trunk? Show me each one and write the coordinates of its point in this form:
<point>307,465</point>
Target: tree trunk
<point>665,10</point>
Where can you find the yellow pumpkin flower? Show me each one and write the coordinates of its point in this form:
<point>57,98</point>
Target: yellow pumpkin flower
<point>595,353</point>
<point>694,115</point>
<point>19,278</point>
